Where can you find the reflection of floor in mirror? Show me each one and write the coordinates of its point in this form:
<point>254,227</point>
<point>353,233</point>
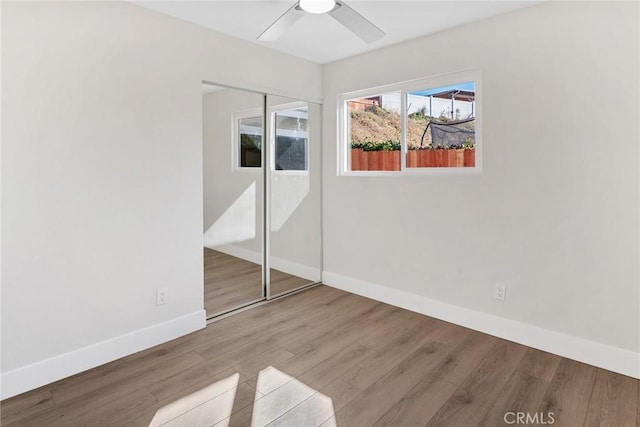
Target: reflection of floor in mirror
<point>231,282</point>
<point>283,282</point>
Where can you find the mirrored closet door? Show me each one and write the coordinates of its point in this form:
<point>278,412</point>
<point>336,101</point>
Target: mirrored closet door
<point>233,133</point>
<point>262,197</point>
<point>294,238</point>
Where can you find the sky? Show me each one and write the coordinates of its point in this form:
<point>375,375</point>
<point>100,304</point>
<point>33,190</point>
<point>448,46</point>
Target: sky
<point>470,86</point>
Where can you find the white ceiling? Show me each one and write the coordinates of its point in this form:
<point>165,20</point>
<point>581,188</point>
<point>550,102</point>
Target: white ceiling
<point>321,39</point>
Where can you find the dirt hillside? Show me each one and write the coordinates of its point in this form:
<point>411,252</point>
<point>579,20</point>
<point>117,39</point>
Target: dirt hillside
<point>379,125</point>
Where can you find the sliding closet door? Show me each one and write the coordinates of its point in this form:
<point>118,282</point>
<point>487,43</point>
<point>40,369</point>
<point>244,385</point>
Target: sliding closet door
<point>233,198</point>
<point>294,202</point>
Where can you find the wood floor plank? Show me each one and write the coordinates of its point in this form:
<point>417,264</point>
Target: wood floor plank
<point>539,364</point>
<point>525,390</point>
<point>199,393</point>
<point>311,327</point>
<point>20,407</point>
<point>274,314</point>
<point>185,402</point>
<point>104,405</point>
<point>331,422</point>
<point>206,371</point>
<point>331,342</point>
<point>464,352</point>
<point>146,358</point>
<point>381,329</point>
<point>248,364</point>
<point>569,393</point>
<point>130,377</point>
<point>239,419</point>
<point>312,412</point>
<point>383,360</point>
<point>448,332</point>
<point>337,364</point>
<point>336,320</point>
<point>377,399</point>
<point>420,404</point>
<point>119,411</point>
<point>114,412</point>
<point>216,409</point>
<point>332,367</point>
<point>521,394</point>
<point>341,393</point>
<point>249,369</point>
<point>612,400</point>
<point>470,347</point>
<point>313,409</point>
<point>275,404</point>
<point>258,341</point>
<point>232,340</point>
<point>49,417</point>
<point>182,345</point>
<point>343,326</point>
<point>471,400</point>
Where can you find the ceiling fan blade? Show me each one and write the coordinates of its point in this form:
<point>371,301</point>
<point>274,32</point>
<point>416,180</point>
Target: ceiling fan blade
<point>282,24</point>
<point>356,23</point>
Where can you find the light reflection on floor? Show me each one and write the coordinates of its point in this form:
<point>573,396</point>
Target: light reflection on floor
<point>279,400</point>
<point>206,406</point>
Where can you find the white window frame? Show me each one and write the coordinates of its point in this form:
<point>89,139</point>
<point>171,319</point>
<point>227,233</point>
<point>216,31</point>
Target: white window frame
<point>235,139</point>
<point>273,110</point>
<point>344,146</point>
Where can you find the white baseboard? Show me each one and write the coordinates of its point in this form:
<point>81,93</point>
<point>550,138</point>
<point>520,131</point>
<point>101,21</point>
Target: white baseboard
<point>295,269</point>
<point>286,266</point>
<point>47,371</point>
<point>604,356</point>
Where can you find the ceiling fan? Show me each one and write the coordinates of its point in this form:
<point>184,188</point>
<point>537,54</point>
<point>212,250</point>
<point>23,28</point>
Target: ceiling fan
<point>337,9</point>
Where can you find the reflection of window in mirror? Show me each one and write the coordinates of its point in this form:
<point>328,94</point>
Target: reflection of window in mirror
<point>292,139</point>
<point>247,130</point>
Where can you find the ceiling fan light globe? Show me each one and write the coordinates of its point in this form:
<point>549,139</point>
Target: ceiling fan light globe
<point>317,6</point>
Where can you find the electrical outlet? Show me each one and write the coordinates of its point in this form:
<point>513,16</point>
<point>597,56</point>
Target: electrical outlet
<point>162,296</point>
<point>500,292</point>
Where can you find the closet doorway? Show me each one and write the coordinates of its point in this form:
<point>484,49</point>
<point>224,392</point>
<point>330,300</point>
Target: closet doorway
<point>262,197</point>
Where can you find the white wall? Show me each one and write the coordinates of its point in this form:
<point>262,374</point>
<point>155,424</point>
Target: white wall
<point>554,215</point>
<point>102,177</point>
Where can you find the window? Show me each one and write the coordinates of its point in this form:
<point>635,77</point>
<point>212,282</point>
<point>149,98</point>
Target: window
<point>247,127</point>
<point>374,132</point>
<point>291,137</point>
<point>423,126</point>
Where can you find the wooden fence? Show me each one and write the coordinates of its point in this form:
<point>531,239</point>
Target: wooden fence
<point>390,160</point>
